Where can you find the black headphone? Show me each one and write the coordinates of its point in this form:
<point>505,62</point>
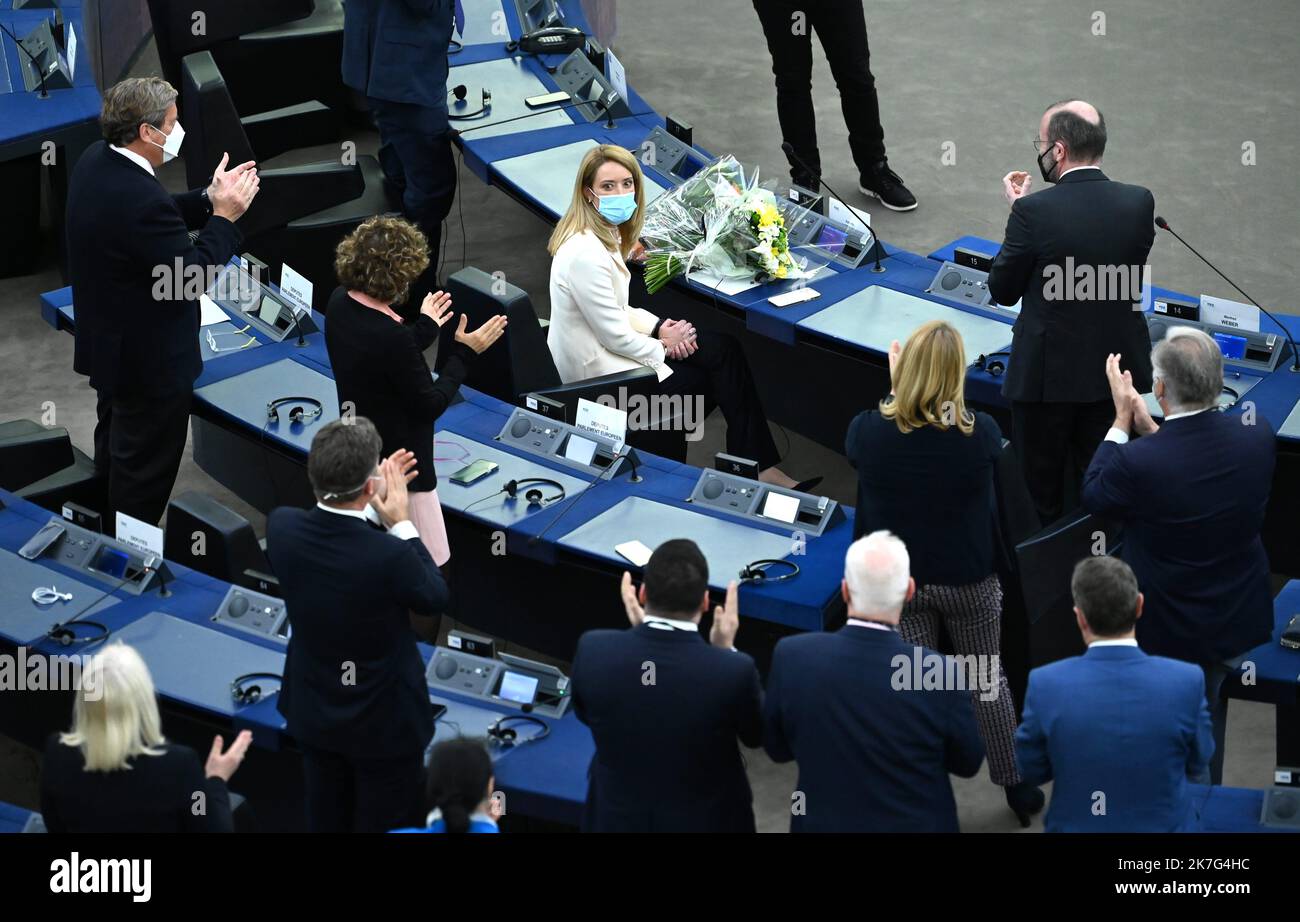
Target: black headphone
<point>534,496</point>
<point>66,636</point>
<point>484,109</point>
<point>252,694</point>
<point>296,414</point>
<point>756,572</point>
<point>988,363</point>
<point>506,737</point>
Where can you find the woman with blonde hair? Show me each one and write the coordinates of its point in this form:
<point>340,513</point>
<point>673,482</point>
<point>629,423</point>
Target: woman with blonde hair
<point>925,472</point>
<point>115,772</point>
<point>594,331</point>
<point>378,360</point>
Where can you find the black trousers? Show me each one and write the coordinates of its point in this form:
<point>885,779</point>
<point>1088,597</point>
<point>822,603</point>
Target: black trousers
<point>842,29</point>
<point>139,442</point>
<point>1055,443</point>
<point>718,375</point>
<point>415,153</point>
<point>344,794</point>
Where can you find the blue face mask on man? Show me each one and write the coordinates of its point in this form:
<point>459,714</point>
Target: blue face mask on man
<point>616,208</point>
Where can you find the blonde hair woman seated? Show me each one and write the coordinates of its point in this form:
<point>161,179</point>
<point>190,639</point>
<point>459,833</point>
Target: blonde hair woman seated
<point>594,331</point>
<point>925,472</point>
<point>115,772</point>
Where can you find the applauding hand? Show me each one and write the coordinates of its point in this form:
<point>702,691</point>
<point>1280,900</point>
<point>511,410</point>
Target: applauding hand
<point>726,620</point>
<point>232,191</point>
<point>437,307</point>
<point>484,336</point>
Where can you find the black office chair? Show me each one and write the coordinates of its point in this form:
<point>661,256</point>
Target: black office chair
<point>280,58</point>
<point>520,363</point>
<point>206,536</point>
<point>43,466</point>
<point>1045,563</point>
<point>300,212</point>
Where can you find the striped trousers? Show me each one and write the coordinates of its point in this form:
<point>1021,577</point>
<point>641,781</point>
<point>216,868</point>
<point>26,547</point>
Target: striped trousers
<point>972,616</point>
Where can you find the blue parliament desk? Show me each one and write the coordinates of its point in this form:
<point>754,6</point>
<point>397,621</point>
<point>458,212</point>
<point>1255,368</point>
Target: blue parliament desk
<point>509,561</point>
<point>193,662</point>
<point>1270,674</point>
<point>66,118</point>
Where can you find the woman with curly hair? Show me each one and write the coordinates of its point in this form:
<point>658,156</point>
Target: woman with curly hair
<point>379,366</point>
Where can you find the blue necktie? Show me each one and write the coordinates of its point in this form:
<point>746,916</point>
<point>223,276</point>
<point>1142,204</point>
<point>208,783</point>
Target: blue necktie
<point>458,16</point>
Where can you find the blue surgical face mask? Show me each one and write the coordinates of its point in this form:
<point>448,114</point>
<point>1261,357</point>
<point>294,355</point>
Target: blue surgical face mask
<point>616,208</point>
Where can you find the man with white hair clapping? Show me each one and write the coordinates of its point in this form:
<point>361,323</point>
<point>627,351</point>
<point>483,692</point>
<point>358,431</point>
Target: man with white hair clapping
<point>1191,496</point>
<point>875,727</point>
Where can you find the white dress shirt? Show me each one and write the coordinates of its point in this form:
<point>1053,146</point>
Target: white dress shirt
<point>670,624</point>
<point>134,158</point>
<point>1121,642</point>
<point>403,529</point>
<point>1119,435</point>
<point>1090,166</point>
<point>594,331</point>
<point>874,625</point>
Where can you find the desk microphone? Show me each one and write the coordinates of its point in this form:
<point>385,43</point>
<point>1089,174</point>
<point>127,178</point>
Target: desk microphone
<point>613,465</point>
<point>297,322</point>
<point>1295,356</point>
<point>604,103</point>
<point>875,238</point>
<point>36,65</point>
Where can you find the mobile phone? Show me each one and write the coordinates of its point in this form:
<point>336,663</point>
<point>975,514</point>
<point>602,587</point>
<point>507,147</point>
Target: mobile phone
<point>546,99</point>
<point>474,471</point>
<point>797,296</point>
<point>635,552</point>
<point>438,710</point>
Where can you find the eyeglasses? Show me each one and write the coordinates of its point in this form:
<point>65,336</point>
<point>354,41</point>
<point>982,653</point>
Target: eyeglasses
<point>1040,145</point>
<point>212,339</point>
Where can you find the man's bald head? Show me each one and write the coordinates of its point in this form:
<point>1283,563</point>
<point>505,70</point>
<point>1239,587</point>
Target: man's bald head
<point>1080,128</point>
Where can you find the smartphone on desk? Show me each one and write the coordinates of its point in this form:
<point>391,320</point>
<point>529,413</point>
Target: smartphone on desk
<point>473,472</point>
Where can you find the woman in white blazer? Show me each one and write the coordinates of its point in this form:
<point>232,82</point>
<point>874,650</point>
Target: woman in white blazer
<point>594,331</point>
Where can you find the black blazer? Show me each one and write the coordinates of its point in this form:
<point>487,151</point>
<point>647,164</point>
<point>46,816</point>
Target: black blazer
<point>666,709</point>
<point>933,489</point>
<point>379,368</point>
<point>872,757</point>
<point>353,678</point>
<point>1192,498</point>
<point>1059,345</point>
<point>156,794</point>
<point>127,237</point>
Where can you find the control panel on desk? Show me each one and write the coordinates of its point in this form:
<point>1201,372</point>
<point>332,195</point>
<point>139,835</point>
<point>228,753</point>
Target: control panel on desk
<point>512,681</point>
<point>254,613</point>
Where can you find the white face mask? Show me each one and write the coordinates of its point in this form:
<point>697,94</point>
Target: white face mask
<point>171,145</point>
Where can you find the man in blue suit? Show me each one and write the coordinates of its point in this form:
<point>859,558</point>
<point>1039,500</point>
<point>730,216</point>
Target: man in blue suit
<point>395,53</point>
<point>666,707</point>
<point>1191,497</point>
<point>1119,731</point>
<point>874,746</point>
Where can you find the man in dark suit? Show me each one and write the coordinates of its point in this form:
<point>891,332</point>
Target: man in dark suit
<point>874,747</point>
<point>1120,732</point>
<point>136,280</point>
<point>1073,256</point>
<point>354,691</point>
<point>666,707</point>
<point>1192,498</point>
<point>395,53</point>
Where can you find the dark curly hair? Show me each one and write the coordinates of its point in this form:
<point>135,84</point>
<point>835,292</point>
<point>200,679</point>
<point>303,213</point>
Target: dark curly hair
<point>381,258</point>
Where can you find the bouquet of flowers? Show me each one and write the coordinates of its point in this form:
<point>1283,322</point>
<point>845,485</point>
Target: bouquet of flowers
<point>721,221</point>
